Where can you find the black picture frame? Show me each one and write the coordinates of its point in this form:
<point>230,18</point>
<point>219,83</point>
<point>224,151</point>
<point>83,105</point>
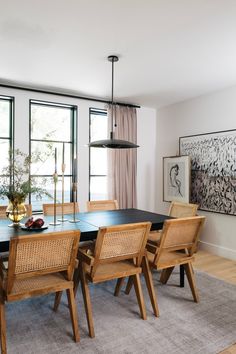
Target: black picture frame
<point>176,179</point>
<point>213,170</point>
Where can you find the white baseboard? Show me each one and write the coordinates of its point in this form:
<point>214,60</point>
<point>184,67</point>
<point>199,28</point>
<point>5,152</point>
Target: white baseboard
<point>218,250</point>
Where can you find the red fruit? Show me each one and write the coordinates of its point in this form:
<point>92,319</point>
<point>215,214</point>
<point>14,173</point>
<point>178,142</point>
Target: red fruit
<point>38,223</point>
<point>29,222</point>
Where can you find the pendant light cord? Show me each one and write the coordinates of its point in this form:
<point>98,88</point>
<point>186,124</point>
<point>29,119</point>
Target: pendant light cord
<point>112,97</point>
<point>112,59</point>
<point>112,93</point>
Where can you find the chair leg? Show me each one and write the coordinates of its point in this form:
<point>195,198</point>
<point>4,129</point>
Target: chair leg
<point>3,327</point>
<point>87,302</point>
<point>191,279</point>
<point>73,314</point>
<point>165,275</point>
<point>149,283</point>
<point>76,280</point>
<point>59,293</point>
<point>129,285</point>
<point>119,285</point>
<point>139,294</point>
<point>57,300</point>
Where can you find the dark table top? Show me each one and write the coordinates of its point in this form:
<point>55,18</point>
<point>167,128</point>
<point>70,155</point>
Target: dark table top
<point>123,216</point>
<point>88,225</point>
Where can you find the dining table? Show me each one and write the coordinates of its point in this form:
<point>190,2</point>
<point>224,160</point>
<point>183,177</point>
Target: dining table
<point>88,224</point>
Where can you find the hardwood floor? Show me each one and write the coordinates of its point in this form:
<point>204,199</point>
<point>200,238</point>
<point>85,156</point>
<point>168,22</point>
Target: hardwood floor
<point>221,268</point>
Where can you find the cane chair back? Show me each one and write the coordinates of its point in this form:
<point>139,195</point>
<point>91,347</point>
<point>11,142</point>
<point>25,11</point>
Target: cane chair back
<point>48,209</point>
<point>179,234</point>
<point>177,210</point>
<point>182,210</point>
<point>121,242</point>
<point>32,256</point>
<point>96,205</point>
<point>3,209</point>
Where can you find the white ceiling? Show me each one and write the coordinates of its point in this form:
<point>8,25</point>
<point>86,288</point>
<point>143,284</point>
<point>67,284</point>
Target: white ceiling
<point>170,50</point>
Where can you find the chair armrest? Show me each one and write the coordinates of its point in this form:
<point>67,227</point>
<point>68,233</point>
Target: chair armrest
<point>76,263</point>
<point>85,257</point>
<point>151,248</point>
<point>3,268</point>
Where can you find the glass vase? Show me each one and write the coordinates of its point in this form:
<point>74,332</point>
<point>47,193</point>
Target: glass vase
<point>15,211</point>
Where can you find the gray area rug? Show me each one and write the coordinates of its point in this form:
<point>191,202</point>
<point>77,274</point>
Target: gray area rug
<point>183,326</point>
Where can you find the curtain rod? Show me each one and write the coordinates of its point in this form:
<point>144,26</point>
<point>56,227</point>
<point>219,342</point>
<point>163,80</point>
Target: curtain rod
<point>67,95</point>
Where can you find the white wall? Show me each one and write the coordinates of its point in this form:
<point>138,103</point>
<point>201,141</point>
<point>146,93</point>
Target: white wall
<point>146,140</point>
<point>209,113</point>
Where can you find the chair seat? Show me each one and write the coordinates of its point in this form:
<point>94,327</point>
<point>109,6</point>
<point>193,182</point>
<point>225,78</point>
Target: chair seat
<point>169,259</point>
<point>154,237</point>
<point>114,270</point>
<point>28,287</point>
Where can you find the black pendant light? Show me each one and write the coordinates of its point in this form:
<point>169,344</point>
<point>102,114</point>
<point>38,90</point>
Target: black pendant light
<point>113,143</point>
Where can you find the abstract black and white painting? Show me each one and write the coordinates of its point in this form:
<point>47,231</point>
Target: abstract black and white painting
<point>213,170</point>
<point>176,178</point>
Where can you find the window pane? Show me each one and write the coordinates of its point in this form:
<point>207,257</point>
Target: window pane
<point>98,129</point>
<point>47,152</point>
<point>4,150</point>
<point>51,126</point>
<point>47,183</point>
<point>98,161</point>
<point>5,118</point>
<point>50,123</point>
<point>5,144</point>
<point>4,201</point>
<point>98,188</point>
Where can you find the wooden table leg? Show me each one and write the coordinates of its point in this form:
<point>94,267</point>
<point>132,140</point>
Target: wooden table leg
<point>181,275</point>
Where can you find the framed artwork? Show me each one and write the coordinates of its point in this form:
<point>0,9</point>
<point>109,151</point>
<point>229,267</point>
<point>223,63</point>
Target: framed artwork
<point>176,178</point>
<point>213,170</point>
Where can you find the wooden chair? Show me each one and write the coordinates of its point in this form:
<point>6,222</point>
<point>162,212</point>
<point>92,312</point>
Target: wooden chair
<point>38,265</point>
<point>177,235</point>
<point>95,205</point>
<point>118,252</point>
<point>4,207</point>
<point>176,210</point>
<point>48,209</point>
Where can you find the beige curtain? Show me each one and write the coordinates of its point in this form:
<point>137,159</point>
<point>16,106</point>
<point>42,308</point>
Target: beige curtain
<point>122,163</point>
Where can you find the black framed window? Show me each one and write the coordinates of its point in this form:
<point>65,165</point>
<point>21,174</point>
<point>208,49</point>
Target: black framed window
<point>6,131</point>
<point>98,120</point>
<point>52,125</point>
